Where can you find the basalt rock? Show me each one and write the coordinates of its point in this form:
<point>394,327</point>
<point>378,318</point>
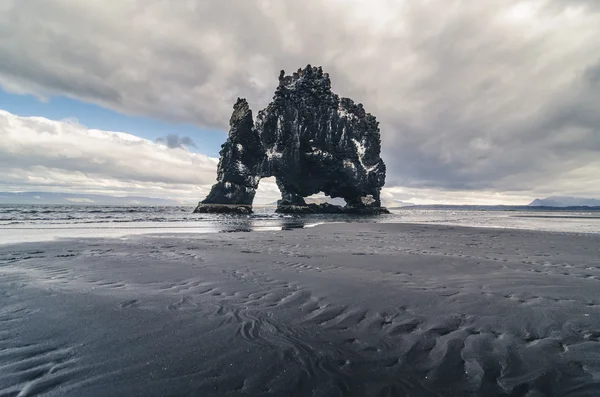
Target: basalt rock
<point>311,141</point>
<point>238,172</point>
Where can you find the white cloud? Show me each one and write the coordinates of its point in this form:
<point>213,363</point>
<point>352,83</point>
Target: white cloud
<point>495,96</point>
<point>41,154</point>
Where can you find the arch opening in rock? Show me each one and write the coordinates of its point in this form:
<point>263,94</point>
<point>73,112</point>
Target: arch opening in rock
<point>267,193</point>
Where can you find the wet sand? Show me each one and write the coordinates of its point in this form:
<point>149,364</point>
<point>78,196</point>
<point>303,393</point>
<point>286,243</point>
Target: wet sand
<point>335,310</point>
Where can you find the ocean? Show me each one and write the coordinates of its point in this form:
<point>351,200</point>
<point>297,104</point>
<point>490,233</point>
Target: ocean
<point>27,223</point>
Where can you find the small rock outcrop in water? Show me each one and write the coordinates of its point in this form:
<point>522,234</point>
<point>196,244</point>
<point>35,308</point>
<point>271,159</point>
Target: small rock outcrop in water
<point>311,141</point>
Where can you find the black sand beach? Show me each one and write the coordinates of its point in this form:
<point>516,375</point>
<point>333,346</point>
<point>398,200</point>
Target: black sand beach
<point>335,310</point>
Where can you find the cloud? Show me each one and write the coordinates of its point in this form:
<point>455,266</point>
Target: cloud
<point>41,154</point>
<point>174,141</point>
<point>472,96</point>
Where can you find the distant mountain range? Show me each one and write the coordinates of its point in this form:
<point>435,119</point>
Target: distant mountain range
<point>75,198</point>
<point>564,201</point>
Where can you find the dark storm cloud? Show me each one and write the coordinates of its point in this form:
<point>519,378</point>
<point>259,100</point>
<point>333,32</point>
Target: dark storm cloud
<point>471,95</point>
<point>174,141</point>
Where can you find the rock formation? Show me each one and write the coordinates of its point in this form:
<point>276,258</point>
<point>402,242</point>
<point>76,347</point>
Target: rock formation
<point>311,141</point>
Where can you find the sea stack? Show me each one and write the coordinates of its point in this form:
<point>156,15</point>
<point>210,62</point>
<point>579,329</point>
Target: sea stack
<point>311,141</point>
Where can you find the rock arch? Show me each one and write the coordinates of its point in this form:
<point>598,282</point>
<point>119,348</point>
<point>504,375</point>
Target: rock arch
<point>311,141</point>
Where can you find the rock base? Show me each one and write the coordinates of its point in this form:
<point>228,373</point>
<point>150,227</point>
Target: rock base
<point>329,209</point>
<point>223,209</point>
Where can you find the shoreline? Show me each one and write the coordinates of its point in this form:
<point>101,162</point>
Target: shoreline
<point>248,227</point>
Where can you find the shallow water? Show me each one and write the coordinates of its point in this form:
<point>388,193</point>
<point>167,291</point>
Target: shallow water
<point>21,223</point>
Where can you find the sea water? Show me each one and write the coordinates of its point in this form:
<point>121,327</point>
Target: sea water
<point>22,223</point>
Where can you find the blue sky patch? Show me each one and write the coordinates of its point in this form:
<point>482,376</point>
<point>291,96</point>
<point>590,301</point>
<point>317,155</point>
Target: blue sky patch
<point>93,116</point>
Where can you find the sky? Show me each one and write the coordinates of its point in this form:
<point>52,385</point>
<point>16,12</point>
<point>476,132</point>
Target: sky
<point>479,102</point>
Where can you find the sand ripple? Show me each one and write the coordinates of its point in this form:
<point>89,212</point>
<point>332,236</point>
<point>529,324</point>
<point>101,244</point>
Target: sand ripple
<point>423,311</point>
